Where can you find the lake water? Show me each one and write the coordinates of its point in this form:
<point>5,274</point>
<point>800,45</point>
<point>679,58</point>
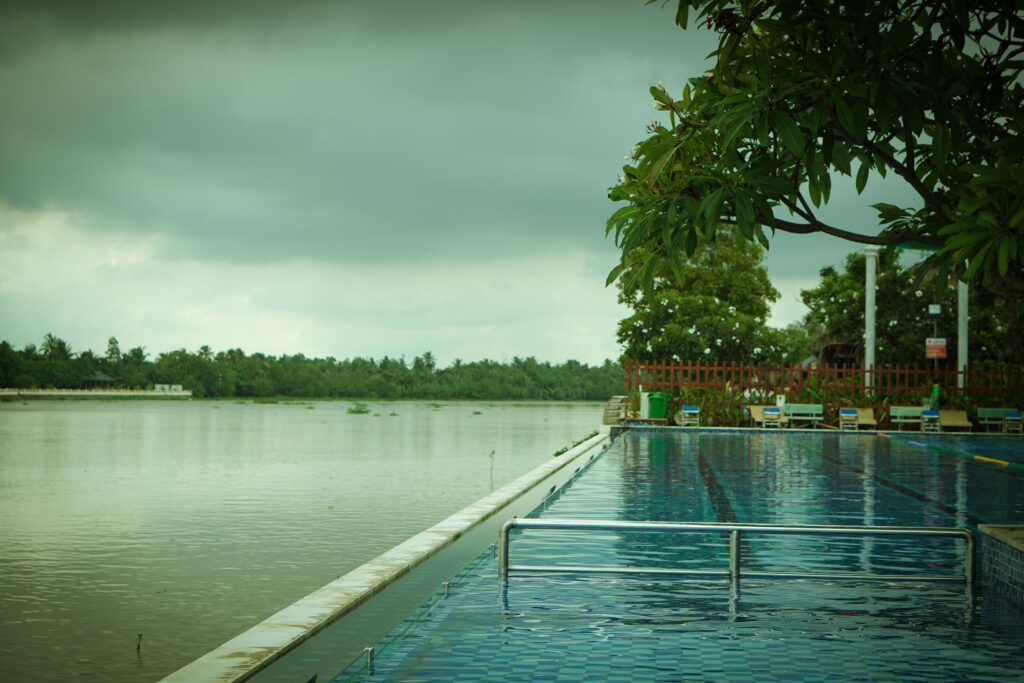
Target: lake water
<point>188,522</point>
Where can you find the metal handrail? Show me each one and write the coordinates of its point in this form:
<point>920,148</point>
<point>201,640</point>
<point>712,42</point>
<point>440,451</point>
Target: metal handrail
<point>734,531</point>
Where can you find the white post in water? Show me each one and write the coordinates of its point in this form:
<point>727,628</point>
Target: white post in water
<point>961,333</point>
<point>870,266</point>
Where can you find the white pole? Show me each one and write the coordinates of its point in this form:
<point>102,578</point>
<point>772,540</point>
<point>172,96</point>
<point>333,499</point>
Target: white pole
<point>961,333</point>
<point>870,266</point>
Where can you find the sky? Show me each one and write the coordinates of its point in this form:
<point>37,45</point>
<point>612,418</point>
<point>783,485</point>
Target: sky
<point>356,178</point>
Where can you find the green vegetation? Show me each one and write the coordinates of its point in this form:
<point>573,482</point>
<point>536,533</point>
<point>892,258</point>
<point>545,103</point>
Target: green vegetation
<point>233,373</point>
<point>714,307</point>
<point>805,91</point>
<point>902,322</point>
<point>358,409</point>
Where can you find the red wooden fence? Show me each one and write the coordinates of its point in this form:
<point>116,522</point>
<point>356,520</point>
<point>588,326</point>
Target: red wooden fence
<point>724,388</point>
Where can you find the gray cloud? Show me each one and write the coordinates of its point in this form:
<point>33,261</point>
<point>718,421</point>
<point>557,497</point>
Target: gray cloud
<point>345,133</point>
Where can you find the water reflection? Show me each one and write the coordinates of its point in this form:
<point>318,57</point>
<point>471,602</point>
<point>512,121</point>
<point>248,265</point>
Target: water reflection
<point>189,522</point>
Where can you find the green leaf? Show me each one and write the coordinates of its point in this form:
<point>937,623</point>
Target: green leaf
<point>845,116</point>
<point>744,208</point>
<point>862,176</point>
<point>759,232</point>
<point>1017,218</point>
<point>940,145</point>
<point>683,14</point>
<point>789,132</point>
<point>614,274</point>
<point>815,192</point>
<point>711,206</point>
<point>660,95</point>
<point>977,261</point>
<point>1004,256</point>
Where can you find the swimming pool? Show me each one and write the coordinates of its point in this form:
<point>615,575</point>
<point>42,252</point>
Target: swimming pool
<point>615,627</point>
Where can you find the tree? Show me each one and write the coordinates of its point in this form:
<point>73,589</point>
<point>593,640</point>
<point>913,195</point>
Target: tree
<point>805,89</point>
<point>55,348</point>
<point>713,307</point>
<point>113,356</point>
<point>902,321</point>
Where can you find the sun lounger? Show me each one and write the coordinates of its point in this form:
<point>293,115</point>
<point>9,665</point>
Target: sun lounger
<point>901,415</point>
<point>689,416</point>
<point>757,415</point>
<point>954,419</point>
<point>767,416</point>
<point>1012,422</point>
<point>848,418</point>
<point>866,418</point>
<point>930,421</point>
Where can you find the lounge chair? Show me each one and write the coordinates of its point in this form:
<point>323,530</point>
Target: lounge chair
<point>866,418</point>
<point>848,418</point>
<point>1012,422</point>
<point>901,415</point>
<point>757,415</point>
<point>689,416</point>
<point>771,416</point>
<point>930,421</point>
<point>955,419</point>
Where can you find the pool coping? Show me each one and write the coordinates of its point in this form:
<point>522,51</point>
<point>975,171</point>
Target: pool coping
<point>1010,534</point>
<point>250,652</point>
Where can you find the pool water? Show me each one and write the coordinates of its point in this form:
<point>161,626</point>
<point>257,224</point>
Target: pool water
<point>617,627</point>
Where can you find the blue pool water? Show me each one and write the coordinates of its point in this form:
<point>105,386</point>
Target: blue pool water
<point>613,627</point>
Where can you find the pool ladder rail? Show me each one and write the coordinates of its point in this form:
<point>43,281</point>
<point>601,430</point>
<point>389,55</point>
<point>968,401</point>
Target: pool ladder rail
<point>735,533</point>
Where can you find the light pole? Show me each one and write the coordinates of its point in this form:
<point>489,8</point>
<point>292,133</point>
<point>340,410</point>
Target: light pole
<point>935,310</point>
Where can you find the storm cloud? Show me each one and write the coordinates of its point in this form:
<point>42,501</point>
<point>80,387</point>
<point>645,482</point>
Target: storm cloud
<point>387,147</point>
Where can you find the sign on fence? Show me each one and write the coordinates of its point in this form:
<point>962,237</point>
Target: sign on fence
<point>935,347</point>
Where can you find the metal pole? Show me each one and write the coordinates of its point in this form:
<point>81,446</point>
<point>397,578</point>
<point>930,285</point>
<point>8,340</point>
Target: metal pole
<point>870,267</point>
<point>734,555</point>
<point>961,334</point>
<point>503,549</point>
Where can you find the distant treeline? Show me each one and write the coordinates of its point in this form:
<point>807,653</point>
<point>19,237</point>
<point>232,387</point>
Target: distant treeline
<point>234,373</point>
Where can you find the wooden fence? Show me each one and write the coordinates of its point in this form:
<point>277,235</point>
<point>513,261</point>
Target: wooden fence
<point>724,389</point>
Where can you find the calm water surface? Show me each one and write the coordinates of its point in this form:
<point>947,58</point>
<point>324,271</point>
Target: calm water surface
<point>189,522</point>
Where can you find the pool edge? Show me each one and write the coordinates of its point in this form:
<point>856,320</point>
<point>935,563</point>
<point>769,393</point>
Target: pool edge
<point>248,653</point>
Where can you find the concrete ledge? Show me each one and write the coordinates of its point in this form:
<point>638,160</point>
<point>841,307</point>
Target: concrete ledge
<point>1002,560</point>
<point>246,654</point>
<point>94,393</point>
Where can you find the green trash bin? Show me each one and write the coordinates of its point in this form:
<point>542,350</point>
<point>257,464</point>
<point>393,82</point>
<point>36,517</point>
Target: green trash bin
<point>657,404</point>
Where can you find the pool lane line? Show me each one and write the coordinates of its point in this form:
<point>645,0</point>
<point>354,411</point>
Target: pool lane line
<point>941,450</point>
<point>905,490</point>
<point>724,511</point>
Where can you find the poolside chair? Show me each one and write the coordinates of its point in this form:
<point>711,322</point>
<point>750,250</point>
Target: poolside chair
<point>756,415</point>
<point>930,421</point>
<point>772,417</point>
<point>1012,422</point>
<point>997,417</point>
<point>954,419</point>
<point>689,416</point>
<point>866,418</point>
<point>901,415</point>
<point>848,418</point>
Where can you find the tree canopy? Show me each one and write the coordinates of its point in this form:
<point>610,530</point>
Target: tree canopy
<point>902,321</point>
<point>801,90</point>
<point>256,375</point>
<point>713,308</point>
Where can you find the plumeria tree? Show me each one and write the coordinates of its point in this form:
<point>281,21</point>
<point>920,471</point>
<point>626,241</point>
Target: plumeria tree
<point>902,320</point>
<point>714,307</point>
<point>804,90</point>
